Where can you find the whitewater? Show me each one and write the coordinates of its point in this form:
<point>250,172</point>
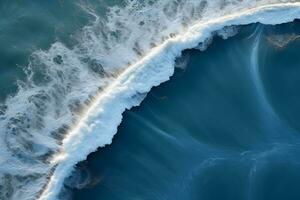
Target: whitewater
<point>51,125</point>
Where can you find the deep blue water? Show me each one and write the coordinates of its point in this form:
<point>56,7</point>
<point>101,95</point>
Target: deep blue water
<point>225,127</point>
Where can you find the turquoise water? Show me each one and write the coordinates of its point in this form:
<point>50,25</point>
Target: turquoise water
<point>225,126</point>
<point>208,133</point>
<point>27,26</point>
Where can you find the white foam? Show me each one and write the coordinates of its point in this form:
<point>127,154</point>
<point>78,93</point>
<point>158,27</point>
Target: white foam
<point>99,123</point>
<point>117,60</point>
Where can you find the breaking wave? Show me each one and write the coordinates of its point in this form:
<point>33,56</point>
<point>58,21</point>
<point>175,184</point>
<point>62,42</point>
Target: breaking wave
<point>73,99</point>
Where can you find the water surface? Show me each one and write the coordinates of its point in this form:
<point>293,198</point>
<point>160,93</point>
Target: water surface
<point>224,127</point>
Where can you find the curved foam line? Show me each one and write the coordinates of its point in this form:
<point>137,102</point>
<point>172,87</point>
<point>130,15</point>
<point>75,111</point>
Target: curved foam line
<point>125,87</point>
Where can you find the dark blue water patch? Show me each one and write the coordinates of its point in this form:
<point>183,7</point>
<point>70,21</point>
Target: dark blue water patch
<point>280,72</point>
<point>214,131</point>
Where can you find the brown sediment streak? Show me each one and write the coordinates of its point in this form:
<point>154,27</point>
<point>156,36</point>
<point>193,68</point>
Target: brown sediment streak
<point>281,41</point>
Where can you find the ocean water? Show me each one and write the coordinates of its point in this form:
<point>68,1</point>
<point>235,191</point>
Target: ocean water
<point>224,126</point>
<point>28,26</point>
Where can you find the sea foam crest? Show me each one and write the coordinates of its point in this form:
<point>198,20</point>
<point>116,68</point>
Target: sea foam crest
<point>73,98</point>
